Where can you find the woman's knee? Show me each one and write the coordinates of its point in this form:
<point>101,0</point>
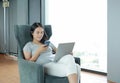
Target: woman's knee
<point>67,59</point>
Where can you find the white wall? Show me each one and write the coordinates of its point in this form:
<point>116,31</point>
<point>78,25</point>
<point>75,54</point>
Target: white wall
<point>114,40</point>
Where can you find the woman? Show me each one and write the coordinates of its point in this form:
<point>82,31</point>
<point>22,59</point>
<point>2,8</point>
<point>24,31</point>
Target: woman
<point>38,52</point>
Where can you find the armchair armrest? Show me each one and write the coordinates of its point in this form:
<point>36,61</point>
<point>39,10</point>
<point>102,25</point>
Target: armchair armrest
<point>30,72</point>
<point>77,60</point>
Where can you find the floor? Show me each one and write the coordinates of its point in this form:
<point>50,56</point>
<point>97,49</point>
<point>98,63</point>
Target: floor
<point>87,77</point>
<point>8,69</point>
<point>9,72</point>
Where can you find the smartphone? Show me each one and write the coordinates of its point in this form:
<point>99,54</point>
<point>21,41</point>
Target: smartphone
<point>47,42</point>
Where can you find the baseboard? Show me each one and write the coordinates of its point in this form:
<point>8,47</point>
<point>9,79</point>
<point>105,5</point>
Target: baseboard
<point>109,81</point>
<point>94,71</point>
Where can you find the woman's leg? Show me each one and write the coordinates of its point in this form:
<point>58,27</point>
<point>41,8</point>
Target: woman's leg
<point>73,68</point>
<point>65,67</point>
<point>78,72</point>
<point>73,78</point>
<point>55,69</point>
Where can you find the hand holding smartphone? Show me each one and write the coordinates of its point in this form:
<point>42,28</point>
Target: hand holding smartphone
<point>47,42</point>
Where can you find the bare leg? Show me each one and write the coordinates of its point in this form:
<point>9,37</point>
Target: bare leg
<point>73,78</point>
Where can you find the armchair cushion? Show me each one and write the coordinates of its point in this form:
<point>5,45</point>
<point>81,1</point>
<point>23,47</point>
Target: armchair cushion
<point>54,79</point>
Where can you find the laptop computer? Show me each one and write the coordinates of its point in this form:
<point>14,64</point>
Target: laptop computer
<point>63,49</point>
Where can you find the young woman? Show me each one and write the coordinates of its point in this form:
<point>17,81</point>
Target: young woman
<point>38,52</point>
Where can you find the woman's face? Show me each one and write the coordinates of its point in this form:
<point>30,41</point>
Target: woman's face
<point>38,34</point>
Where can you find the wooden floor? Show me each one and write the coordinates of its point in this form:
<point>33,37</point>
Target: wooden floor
<point>87,77</point>
<point>9,72</point>
<point>8,69</point>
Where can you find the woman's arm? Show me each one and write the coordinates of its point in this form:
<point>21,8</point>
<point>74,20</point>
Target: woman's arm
<point>29,56</point>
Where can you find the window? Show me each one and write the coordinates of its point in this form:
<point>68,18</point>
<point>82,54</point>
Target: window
<point>85,23</point>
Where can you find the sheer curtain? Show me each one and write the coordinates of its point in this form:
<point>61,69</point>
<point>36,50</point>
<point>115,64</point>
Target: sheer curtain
<point>84,22</point>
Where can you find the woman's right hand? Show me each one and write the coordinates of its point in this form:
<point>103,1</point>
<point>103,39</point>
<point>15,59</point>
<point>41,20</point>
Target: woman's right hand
<point>42,48</point>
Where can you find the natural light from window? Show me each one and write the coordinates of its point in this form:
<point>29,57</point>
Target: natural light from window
<point>83,22</point>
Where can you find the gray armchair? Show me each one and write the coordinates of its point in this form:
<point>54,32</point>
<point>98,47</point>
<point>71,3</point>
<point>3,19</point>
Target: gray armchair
<point>31,72</point>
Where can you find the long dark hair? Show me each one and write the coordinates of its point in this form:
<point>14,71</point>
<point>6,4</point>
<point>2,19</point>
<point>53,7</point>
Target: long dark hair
<point>36,25</point>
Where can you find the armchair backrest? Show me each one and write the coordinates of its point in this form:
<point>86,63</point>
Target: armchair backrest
<point>48,30</point>
<point>22,34</point>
